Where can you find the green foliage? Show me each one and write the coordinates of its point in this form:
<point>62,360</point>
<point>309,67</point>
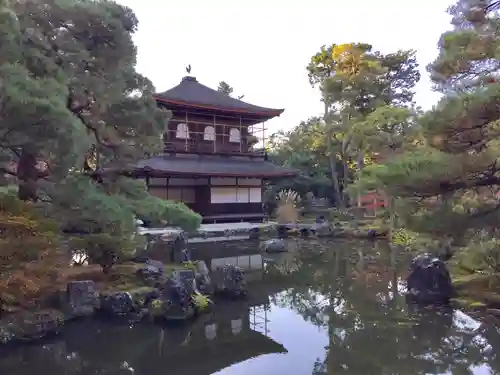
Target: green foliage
<point>402,237</point>
<point>200,301</point>
<point>225,88</point>
<point>481,253</point>
<point>404,174</point>
<point>104,249</point>
<point>446,175</point>
<point>30,256</point>
<point>304,148</point>
<point>355,82</point>
<point>71,100</point>
<point>189,265</point>
<point>336,215</point>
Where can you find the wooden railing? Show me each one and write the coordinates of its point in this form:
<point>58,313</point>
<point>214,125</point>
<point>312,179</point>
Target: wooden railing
<point>196,144</point>
<point>201,148</point>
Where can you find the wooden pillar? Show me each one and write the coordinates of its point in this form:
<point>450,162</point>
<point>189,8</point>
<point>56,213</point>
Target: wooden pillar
<point>223,143</point>
<point>264,137</point>
<point>187,135</point>
<point>215,135</point>
<point>241,136</point>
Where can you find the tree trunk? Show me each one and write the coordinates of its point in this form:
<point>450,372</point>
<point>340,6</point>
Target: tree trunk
<point>361,165</point>
<point>339,202</point>
<point>27,175</point>
<point>345,171</point>
<point>335,180</point>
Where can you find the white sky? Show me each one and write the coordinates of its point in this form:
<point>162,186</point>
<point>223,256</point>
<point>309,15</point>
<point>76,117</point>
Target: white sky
<point>261,48</point>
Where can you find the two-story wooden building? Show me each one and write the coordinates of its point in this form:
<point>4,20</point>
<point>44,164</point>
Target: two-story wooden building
<point>210,161</point>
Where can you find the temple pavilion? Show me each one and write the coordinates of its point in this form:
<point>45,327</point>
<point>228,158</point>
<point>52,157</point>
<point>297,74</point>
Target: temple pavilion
<point>211,161</point>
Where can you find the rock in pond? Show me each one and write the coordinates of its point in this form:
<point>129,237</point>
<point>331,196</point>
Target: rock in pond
<point>274,246</point>
<point>173,303</point>
<point>187,278</point>
<point>203,279</point>
<point>323,229</point>
<point>117,304</point>
<point>132,305</point>
<point>151,271</point>
<point>30,326</point>
<point>229,281</point>
<point>82,299</point>
<point>429,281</point>
<point>254,233</point>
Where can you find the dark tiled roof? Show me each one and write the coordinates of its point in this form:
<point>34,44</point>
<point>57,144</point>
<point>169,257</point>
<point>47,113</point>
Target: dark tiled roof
<point>213,166</point>
<point>191,93</point>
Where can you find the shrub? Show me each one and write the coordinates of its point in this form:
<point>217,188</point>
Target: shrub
<point>105,249</point>
<point>339,215</point>
<point>287,211</point>
<point>30,259</point>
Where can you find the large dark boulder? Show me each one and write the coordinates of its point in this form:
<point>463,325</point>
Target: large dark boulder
<point>117,304</point>
<point>175,302</point>
<point>428,281</point>
<point>82,299</point>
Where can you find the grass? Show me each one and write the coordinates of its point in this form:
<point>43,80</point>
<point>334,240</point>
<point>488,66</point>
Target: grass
<point>122,276</point>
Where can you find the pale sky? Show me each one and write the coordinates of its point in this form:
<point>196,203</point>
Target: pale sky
<point>261,48</point>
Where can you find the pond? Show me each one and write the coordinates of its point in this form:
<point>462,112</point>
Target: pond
<point>325,307</point>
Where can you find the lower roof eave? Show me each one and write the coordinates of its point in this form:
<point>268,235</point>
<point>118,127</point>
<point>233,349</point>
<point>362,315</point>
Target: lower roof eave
<point>163,173</point>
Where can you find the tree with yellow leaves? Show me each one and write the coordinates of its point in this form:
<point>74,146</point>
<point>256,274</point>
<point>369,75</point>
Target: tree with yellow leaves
<point>354,81</point>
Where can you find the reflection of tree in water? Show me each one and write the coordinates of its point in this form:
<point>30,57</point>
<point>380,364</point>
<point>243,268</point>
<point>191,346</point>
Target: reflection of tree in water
<point>371,329</point>
<point>205,346</point>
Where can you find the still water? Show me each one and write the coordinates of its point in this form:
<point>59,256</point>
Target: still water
<point>322,308</point>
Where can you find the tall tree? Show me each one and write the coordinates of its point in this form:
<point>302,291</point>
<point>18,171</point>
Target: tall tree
<point>454,170</point>
<point>72,106</point>
<point>354,81</point>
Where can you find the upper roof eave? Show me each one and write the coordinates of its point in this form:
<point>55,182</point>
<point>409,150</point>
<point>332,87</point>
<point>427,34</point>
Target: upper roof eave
<point>270,113</point>
<point>190,93</point>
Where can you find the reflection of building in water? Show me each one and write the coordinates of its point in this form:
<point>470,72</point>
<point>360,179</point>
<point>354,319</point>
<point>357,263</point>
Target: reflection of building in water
<point>255,320</point>
<point>234,333</point>
<point>244,254</point>
<point>252,262</point>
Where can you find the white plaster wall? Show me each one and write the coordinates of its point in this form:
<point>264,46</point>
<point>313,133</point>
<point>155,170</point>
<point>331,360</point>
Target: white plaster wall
<point>235,195</point>
<point>222,181</point>
<point>223,195</point>
<point>250,181</point>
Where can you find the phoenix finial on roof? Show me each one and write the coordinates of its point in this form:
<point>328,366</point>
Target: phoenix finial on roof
<point>188,69</point>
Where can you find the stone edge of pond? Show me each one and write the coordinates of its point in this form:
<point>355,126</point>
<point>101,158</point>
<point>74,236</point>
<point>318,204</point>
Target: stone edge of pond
<point>30,326</point>
<point>349,229</point>
<point>356,228</point>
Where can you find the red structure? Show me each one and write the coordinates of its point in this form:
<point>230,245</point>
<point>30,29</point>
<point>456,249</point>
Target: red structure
<point>210,160</point>
<point>371,201</point>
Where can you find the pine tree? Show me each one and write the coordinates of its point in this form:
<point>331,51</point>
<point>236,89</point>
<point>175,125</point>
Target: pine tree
<point>73,106</point>
<point>449,176</point>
